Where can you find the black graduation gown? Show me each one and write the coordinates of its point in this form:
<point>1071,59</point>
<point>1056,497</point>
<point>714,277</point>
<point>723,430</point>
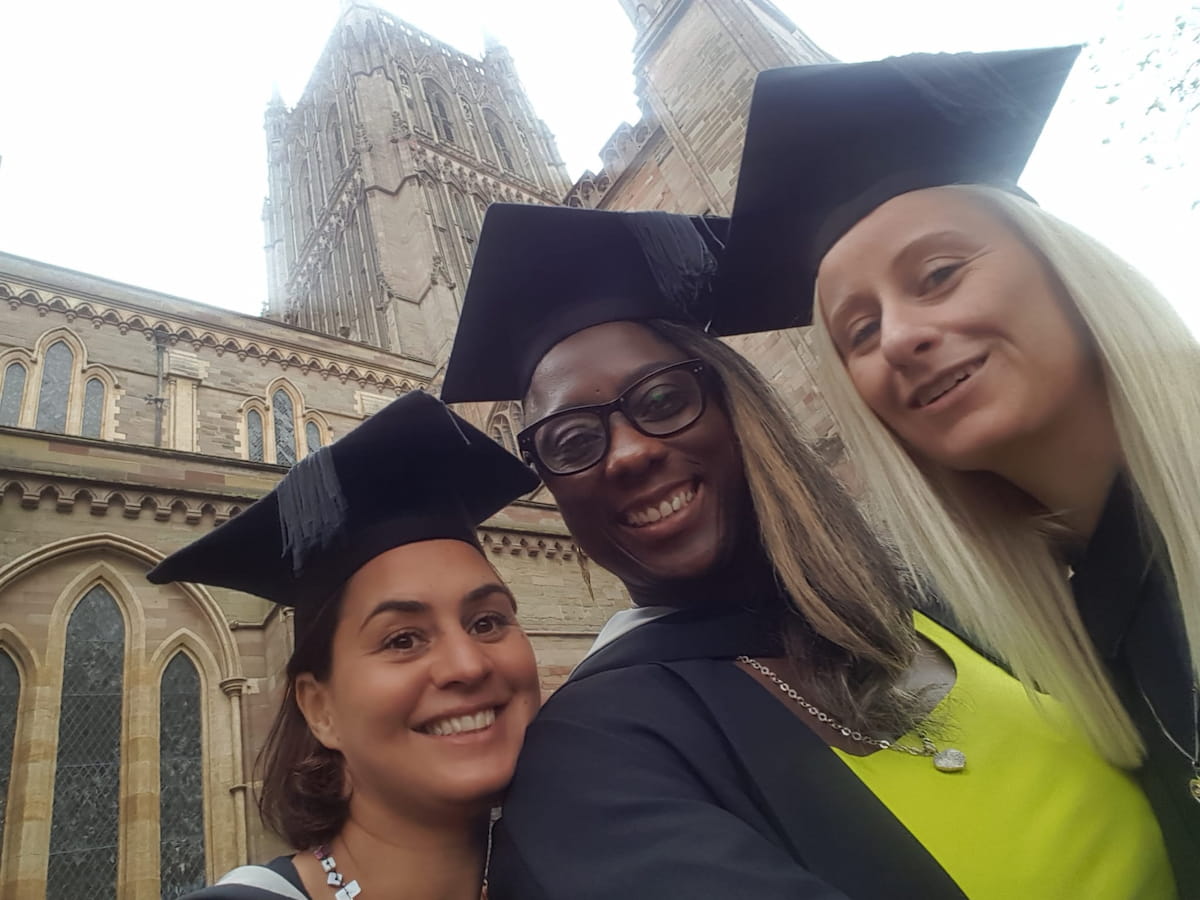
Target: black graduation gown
<point>1128,604</point>
<point>663,770</point>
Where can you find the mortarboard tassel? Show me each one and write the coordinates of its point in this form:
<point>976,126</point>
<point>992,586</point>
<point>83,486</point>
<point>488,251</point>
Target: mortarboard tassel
<point>312,507</point>
<point>677,256</point>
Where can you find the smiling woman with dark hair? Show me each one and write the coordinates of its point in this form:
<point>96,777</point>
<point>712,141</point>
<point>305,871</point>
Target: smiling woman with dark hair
<point>772,720</point>
<point>411,683</point>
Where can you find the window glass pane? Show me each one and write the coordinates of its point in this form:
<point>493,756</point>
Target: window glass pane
<point>501,141</point>
<point>181,788</point>
<point>93,408</point>
<point>254,435</point>
<point>285,429</point>
<point>312,436</point>
<point>11,394</point>
<point>56,387</point>
<point>83,825</point>
<point>10,693</point>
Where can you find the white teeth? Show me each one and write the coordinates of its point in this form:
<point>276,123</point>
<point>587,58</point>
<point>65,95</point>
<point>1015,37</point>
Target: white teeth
<point>943,385</point>
<point>458,724</point>
<point>662,510</point>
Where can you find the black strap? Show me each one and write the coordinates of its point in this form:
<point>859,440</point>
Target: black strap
<point>830,822</point>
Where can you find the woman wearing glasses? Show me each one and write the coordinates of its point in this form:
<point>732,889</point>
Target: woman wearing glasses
<point>771,720</point>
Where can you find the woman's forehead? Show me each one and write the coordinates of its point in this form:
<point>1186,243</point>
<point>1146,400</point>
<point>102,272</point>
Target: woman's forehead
<point>594,365</point>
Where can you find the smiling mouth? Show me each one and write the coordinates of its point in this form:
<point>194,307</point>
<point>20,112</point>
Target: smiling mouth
<point>939,388</point>
<point>480,721</point>
<point>664,509</point>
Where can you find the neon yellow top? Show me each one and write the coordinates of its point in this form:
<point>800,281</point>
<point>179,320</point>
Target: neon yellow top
<point>1037,814</point>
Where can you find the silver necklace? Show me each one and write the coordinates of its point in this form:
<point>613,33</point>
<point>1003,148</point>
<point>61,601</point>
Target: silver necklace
<point>948,760</point>
<point>344,890</point>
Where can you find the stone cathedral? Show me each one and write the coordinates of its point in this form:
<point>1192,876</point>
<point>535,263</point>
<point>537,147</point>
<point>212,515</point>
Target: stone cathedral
<point>131,422</point>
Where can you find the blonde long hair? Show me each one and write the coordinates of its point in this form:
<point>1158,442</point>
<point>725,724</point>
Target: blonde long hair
<point>987,551</point>
<point>855,627</point>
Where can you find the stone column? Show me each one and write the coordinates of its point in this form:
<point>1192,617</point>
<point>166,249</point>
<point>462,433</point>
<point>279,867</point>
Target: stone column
<point>233,688</point>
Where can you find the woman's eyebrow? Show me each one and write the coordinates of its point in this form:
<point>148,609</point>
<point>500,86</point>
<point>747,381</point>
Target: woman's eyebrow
<point>481,593</point>
<point>923,243</point>
<point>395,605</point>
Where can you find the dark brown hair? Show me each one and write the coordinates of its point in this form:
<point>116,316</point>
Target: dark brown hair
<point>853,630</point>
<point>303,797</point>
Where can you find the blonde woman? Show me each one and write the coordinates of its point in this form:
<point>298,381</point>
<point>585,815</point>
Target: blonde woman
<point>1020,403</point>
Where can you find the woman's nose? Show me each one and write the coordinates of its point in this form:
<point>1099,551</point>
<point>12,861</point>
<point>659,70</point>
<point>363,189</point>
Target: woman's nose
<point>460,660</point>
<point>629,451</point>
<point>905,336</point>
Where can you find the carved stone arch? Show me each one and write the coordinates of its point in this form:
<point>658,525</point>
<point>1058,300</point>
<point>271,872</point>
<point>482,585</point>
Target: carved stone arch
<point>257,405</point>
<point>61,333</point>
<point>284,384</point>
<point>31,296</point>
<point>184,640</point>
<point>312,417</point>
<point>441,110</point>
<point>13,486</point>
<point>109,399</point>
<point>19,650</point>
<point>121,588</point>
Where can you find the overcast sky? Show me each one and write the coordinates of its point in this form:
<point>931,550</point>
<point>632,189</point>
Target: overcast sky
<point>132,145</point>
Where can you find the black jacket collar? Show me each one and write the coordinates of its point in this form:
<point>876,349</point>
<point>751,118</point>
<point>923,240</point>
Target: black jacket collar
<point>687,634</point>
<point>1125,593</point>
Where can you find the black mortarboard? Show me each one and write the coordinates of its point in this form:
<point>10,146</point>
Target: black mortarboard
<point>827,144</point>
<point>412,472</point>
<point>542,273</point>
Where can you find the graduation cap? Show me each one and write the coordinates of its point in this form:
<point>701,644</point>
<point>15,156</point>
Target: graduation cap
<point>827,144</point>
<point>542,273</point>
<point>412,472</point>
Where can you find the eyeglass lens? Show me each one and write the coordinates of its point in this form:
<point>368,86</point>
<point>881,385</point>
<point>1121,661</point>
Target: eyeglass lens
<point>659,405</point>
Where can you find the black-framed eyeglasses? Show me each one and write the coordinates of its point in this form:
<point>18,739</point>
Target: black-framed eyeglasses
<point>664,402</point>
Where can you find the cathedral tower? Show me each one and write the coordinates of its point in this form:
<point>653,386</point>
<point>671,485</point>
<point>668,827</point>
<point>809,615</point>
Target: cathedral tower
<point>379,177</point>
<point>695,63</point>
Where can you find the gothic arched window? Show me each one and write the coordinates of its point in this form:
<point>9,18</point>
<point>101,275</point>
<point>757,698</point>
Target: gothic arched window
<point>10,694</point>
<point>93,408</point>
<point>502,433</point>
<point>283,414</point>
<point>500,140</point>
<point>180,775</point>
<point>254,435</point>
<point>12,393</point>
<point>439,111</point>
<point>56,388</point>
<point>312,437</point>
<point>462,218</point>
<point>334,128</point>
<point>87,780</point>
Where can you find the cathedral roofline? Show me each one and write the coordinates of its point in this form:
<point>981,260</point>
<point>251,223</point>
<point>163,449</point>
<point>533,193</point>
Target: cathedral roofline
<point>187,320</point>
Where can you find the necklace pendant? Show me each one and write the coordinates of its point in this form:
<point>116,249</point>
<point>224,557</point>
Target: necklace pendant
<point>1194,787</point>
<point>949,760</point>
<point>349,892</point>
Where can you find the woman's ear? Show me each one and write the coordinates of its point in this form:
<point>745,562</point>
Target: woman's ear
<point>317,708</point>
